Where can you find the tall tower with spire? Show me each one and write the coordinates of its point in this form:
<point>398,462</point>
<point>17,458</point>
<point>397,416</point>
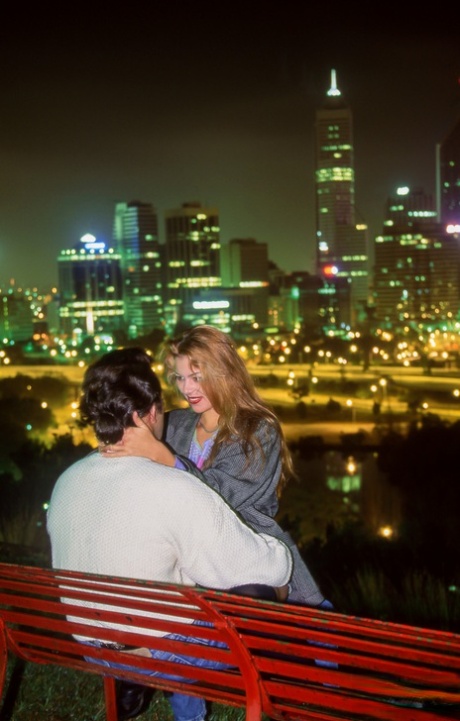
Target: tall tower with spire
<point>341,242</point>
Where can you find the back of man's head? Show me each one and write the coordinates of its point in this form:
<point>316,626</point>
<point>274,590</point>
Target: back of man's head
<point>114,387</point>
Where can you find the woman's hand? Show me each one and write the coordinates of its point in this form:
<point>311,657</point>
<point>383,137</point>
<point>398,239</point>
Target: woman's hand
<point>139,441</point>
<point>135,442</point>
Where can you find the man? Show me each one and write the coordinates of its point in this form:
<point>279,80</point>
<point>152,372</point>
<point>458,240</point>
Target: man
<point>136,518</point>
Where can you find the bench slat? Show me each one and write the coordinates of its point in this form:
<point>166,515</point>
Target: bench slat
<point>292,663</point>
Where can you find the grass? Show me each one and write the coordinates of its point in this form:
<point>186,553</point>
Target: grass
<point>418,600</point>
<point>52,693</point>
<point>59,694</point>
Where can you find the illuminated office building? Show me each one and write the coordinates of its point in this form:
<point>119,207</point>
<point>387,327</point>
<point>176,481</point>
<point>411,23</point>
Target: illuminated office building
<point>341,240</point>
<point>409,208</point>
<point>317,304</point>
<point>244,271</point>
<point>244,261</point>
<point>16,316</point>
<point>135,239</point>
<point>417,264</point>
<point>241,302</point>
<point>192,256</point>
<point>91,290</point>
<point>448,179</point>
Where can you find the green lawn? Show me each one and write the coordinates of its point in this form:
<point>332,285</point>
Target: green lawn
<point>56,694</point>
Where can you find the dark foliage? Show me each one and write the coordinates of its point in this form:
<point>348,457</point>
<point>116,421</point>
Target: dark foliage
<point>25,412</point>
<point>43,388</point>
<point>26,493</point>
<point>352,548</point>
<point>424,467</point>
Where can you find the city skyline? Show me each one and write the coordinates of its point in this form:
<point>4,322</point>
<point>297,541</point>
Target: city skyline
<point>218,109</point>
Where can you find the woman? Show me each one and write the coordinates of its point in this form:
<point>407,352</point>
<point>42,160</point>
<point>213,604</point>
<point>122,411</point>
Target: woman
<point>228,436</point>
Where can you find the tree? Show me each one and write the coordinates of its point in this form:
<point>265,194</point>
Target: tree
<point>26,412</point>
<point>26,493</point>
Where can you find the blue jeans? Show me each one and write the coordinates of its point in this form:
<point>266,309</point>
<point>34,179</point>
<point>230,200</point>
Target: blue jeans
<point>184,707</point>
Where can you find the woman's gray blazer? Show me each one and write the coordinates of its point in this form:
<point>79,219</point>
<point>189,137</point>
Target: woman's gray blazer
<point>249,486</point>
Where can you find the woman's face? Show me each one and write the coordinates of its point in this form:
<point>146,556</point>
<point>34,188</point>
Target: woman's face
<point>189,383</point>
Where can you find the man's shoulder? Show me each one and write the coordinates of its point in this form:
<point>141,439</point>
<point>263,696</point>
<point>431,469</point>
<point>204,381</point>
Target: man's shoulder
<point>88,460</point>
<point>173,482</point>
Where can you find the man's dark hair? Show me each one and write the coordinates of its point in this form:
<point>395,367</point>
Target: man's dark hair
<point>114,386</point>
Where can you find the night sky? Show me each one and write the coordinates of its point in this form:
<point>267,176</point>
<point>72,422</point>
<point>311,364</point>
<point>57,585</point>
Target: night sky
<point>167,103</point>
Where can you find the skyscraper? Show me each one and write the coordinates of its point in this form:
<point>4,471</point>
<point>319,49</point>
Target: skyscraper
<point>192,255</point>
<point>417,264</point>
<point>135,237</point>
<point>341,241</point>
<point>91,292</point>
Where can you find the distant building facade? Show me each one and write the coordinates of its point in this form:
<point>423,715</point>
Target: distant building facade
<point>16,317</point>
<point>90,290</point>
<point>314,303</point>
<point>135,239</point>
<point>244,267</point>
<point>417,264</point>
<point>192,256</point>
<point>244,261</point>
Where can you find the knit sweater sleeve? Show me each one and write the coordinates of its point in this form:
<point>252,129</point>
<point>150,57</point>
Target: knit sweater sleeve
<point>234,553</point>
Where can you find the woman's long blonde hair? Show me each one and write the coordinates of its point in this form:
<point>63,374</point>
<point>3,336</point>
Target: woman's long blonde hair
<point>230,388</point>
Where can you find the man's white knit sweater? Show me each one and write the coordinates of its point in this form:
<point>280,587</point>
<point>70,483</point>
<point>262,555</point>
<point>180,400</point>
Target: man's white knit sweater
<point>132,517</point>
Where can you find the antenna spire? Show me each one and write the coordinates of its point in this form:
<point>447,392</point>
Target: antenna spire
<point>333,90</point>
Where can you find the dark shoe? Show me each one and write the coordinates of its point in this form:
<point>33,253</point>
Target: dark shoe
<point>132,699</point>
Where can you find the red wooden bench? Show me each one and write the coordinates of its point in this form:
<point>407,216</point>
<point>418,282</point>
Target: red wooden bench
<point>275,666</point>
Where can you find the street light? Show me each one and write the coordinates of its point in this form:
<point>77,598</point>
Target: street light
<point>386,531</point>
<point>384,386</point>
<point>350,405</point>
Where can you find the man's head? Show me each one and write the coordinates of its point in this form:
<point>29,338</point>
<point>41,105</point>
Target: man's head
<point>115,388</point>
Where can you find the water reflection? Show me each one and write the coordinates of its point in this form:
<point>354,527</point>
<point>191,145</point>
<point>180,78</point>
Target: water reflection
<point>365,488</point>
<point>336,486</point>
<point>343,474</point>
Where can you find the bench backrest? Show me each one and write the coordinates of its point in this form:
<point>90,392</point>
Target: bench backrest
<point>287,661</point>
<point>336,664</point>
<point>35,604</point>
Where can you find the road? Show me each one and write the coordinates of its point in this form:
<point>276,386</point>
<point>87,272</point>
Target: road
<point>439,379</point>
<point>358,414</point>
